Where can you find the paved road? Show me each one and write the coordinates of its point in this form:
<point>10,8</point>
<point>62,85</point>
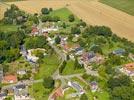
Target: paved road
<point>27,82</point>
<point>59,52</point>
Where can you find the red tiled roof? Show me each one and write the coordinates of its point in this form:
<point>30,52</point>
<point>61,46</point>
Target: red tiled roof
<point>129,66</point>
<point>58,93</point>
<point>9,78</point>
<point>35,29</point>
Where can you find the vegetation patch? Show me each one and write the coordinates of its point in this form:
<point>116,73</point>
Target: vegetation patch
<point>38,91</point>
<point>124,5</point>
<point>70,69</point>
<point>48,65</point>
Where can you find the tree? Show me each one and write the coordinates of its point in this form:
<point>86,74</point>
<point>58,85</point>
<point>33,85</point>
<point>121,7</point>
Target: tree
<point>71,18</point>
<point>98,30</point>
<point>50,9</point>
<point>46,18</point>
<point>45,11</point>
<point>77,65</point>
<point>122,80</point>
<point>35,42</point>
<point>64,25</point>
<point>84,97</point>
<point>57,40</point>
<point>75,30</point>
<point>96,49</point>
<point>48,82</point>
<point>122,93</point>
<point>14,7</point>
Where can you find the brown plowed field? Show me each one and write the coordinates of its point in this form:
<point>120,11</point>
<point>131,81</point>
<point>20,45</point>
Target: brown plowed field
<point>91,11</point>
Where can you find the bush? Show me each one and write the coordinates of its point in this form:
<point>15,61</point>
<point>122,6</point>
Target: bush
<point>45,11</point>
<point>71,18</point>
<point>57,40</point>
<point>48,82</point>
<point>75,30</point>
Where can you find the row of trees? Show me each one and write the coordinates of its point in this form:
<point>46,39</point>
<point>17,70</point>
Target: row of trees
<point>46,11</point>
<point>49,18</point>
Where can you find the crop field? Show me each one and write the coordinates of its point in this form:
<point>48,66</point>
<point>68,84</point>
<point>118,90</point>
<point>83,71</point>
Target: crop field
<point>124,5</point>
<point>91,11</point>
<point>3,8</point>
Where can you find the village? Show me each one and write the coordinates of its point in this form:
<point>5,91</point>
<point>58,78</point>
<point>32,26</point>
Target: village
<point>74,68</point>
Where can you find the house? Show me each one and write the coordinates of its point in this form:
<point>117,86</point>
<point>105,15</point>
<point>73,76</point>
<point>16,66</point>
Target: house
<point>21,72</point>
<point>119,52</point>
<point>21,92</point>
<point>23,50</point>
<point>86,56</point>
<point>128,69</point>
<point>79,51</point>
<point>94,86</point>
<point>3,96</point>
<point>31,58</point>
<point>21,95</point>
<point>35,31</point>
<point>76,86</point>
<point>49,29</point>
<point>9,79</point>
<point>57,93</point>
<point>20,86</point>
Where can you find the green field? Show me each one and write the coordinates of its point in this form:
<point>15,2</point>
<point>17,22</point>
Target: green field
<point>48,66</point>
<point>8,28</point>
<point>69,69</point>
<point>63,13</point>
<point>39,92</point>
<point>123,5</point>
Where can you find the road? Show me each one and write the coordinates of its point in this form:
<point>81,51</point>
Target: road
<point>27,82</point>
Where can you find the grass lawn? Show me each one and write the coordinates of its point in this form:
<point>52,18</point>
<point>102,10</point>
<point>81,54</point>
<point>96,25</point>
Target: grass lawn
<point>102,95</point>
<point>48,66</point>
<point>39,92</point>
<point>63,13</point>
<point>124,5</point>
<point>69,69</point>
<point>8,28</point>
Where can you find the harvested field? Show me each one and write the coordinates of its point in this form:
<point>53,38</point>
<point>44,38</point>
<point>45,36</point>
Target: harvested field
<point>3,8</point>
<point>96,13</point>
<point>92,11</point>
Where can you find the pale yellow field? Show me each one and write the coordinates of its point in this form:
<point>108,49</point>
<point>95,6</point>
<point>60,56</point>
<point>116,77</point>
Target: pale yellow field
<point>91,11</point>
<point>2,10</point>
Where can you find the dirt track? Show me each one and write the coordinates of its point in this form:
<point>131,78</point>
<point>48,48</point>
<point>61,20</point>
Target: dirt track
<point>91,11</point>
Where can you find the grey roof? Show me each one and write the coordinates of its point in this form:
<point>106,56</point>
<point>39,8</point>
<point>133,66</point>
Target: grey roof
<point>77,86</point>
<point>20,86</point>
<point>3,94</point>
